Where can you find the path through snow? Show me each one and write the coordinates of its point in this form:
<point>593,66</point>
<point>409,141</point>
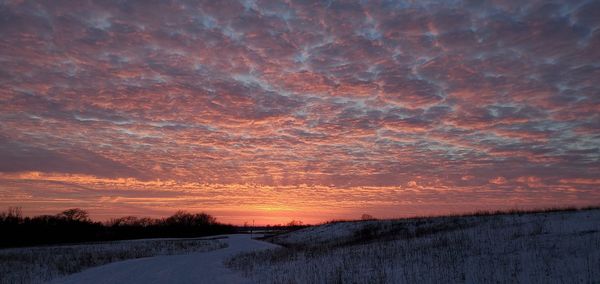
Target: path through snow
<point>202,267</point>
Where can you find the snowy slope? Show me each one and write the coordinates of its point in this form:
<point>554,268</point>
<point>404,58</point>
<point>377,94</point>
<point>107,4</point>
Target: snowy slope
<point>551,247</point>
<point>40,264</point>
<point>204,267</point>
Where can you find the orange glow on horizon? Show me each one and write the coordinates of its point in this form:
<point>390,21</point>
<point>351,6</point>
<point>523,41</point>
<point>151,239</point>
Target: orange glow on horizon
<point>298,110</point>
<point>107,198</point>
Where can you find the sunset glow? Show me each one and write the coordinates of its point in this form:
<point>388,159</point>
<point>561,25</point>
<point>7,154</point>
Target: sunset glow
<point>276,111</point>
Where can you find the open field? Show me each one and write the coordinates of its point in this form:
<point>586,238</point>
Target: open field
<point>543,247</point>
<point>41,264</point>
<point>203,267</point>
<point>546,247</point>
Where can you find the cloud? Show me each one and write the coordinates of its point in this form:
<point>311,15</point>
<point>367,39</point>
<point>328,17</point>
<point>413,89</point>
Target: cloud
<point>584,181</point>
<point>17,157</point>
<point>498,180</point>
<point>286,93</point>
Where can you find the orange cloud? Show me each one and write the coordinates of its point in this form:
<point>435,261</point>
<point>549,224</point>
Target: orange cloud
<point>498,180</point>
<point>231,103</point>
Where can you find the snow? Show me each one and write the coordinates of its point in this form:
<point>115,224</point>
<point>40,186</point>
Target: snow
<point>204,267</point>
<point>40,264</point>
<point>550,247</point>
<point>326,233</point>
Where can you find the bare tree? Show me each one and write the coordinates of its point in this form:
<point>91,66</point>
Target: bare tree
<point>75,214</point>
<point>188,219</point>
<point>124,221</point>
<point>13,215</point>
<point>15,212</point>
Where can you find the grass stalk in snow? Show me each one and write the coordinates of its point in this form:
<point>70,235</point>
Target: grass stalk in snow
<point>546,247</point>
<point>41,264</point>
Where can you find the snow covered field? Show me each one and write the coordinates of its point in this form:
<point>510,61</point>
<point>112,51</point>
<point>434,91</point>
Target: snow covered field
<point>201,267</point>
<point>552,247</point>
<point>41,264</point>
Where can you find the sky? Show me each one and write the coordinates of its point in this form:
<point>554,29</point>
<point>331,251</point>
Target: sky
<point>298,110</point>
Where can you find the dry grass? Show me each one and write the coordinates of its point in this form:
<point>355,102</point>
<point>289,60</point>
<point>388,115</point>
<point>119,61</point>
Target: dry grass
<point>545,247</point>
<point>41,264</point>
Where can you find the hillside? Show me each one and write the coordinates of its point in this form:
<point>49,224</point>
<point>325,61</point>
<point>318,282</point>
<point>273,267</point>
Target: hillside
<point>543,247</point>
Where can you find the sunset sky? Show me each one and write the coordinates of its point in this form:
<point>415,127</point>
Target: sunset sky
<point>308,110</point>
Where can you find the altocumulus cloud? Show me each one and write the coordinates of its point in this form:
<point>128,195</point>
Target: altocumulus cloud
<point>344,94</point>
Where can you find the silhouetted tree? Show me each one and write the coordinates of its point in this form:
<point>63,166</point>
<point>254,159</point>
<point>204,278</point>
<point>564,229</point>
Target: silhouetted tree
<point>15,212</point>
<point>124,221</point>
<point>12,216</point>
<point>183,218</point>
<point>204,219</point>
<point>75,225</point>
<point>75,214</point>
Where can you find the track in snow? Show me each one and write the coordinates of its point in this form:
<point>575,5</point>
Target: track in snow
<point>202,267</point>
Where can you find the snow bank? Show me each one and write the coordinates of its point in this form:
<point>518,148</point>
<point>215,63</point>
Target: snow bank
<point>41,264</point>
<point>553,247</point>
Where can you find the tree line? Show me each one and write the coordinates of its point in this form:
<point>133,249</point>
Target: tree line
<point>75,226</point>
